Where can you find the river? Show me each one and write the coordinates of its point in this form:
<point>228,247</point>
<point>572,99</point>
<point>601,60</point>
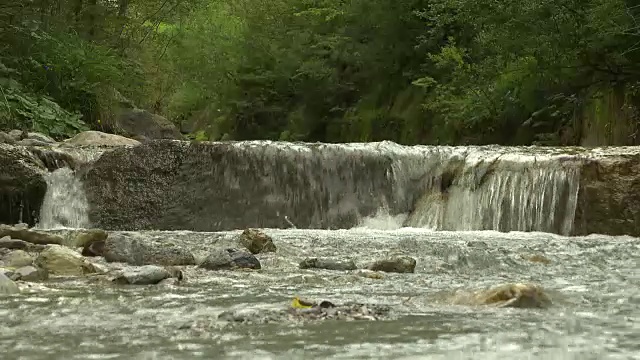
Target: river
<point>594,283</point>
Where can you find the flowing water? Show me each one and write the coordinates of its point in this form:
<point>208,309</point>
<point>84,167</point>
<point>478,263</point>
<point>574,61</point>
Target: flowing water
<point>65,203</point>
<point>594,281</point>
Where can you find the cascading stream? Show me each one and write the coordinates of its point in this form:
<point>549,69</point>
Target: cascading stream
<point>65,203</point>
<point>515,193</point>
<point>485,188</point>
<point>234,185</point>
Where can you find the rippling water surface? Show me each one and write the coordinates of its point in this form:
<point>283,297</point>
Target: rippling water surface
<point>593,280</point>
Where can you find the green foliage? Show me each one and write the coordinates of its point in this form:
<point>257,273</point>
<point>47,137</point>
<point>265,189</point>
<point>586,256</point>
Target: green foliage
<point>412,71</point>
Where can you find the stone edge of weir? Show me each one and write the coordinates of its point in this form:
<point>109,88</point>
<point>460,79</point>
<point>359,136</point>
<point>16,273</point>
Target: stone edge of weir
<point>177,185</point>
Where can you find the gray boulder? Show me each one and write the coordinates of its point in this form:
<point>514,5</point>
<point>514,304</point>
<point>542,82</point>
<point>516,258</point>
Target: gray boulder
<point>144,275</point>
<point>228,259</point>
<point>7,286</point>
<point>256,241</point>
<point>328,264</point>
<point>135,251</point>
<point>398,264</point>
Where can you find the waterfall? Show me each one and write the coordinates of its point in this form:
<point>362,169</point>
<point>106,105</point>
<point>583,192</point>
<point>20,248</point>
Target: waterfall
<point>65,204</point>
<point>233,185</point>
<point>486,188</point>
<point>503,196</point>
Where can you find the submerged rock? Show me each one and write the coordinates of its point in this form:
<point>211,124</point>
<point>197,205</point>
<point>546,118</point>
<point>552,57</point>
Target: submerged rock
<point>97,138</point>
<point>122,248</point>
<point>143,275</point>
<point>7,286</point>
<point>537,258</point>
<point>29,235</point>
<point>330,311</point>
<point>60,260</point>
<point>508,295</point>
<point>225,259</point>
<point>256,241</point>
<point>328,264</point>
<point>29,273</point>
<point>398,264</point>
<point>17,258</point>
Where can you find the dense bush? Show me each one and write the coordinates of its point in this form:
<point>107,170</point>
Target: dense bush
<point>412,71</point>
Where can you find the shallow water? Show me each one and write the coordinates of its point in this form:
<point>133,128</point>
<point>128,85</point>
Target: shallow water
<point>593,280</point>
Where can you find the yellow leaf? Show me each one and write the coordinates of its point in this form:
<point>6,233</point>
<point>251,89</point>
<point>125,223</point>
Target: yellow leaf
<point>300,304</point>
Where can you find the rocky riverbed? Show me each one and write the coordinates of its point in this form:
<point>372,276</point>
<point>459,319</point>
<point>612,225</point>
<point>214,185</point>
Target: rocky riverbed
<point>357,293</point>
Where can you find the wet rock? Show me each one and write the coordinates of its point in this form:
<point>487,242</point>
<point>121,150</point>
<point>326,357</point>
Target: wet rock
<point>170,191</point>
<point>54,159</point>
<point>84,237</point>
<point>6,138</point>
<point>328,264</point>
<point>398,264</point>
<point>94,249</point>
<point>29,235</point>
<point>21,226</point>
<point>40,137</point>
<point>7,286</point>
<point>29,273</point>
<point>100,268</point>
<point>132,122</point>
<point>122,248</point>
<point>478,244</point>
<point>508,295</point>
<point>22,185</point>
<point>143,275</point>
<point>18,258</point>
<point>97,138</point>
<point>224,259</point>
<point>14,244</point>
<point>169,282</point>
<point>370,274</point>
<point>60,260</point>
<point>17,135</point>
<point>175,272</point>
<point>256,241</point>
<point>32,142</point>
